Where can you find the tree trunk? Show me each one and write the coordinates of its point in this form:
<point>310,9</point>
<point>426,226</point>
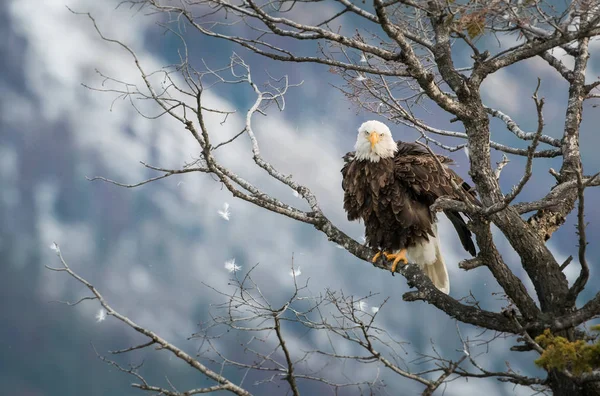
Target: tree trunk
<point>549,281</point>
<point>561,385</point>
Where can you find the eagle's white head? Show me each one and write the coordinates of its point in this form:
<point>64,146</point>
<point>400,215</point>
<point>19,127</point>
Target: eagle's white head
<point>374,142</point>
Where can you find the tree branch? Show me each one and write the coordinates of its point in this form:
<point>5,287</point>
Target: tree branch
<point>548,221</point>
<point>290,378</point>
<point>224,383</point>
<point>516,190</point>
<point>415,69</point>
<point>514,128</point>
<point>584,273</point>
<point>528,50</point>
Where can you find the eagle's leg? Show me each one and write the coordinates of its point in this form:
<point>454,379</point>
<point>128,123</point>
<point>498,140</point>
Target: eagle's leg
<point>374,259</point>
<point>400,256</point>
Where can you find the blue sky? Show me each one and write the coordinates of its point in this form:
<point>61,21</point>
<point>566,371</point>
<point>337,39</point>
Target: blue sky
<point>151,249</point>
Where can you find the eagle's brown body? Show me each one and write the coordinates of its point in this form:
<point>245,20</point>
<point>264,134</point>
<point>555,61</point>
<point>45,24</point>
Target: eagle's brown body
<point>392,197</point>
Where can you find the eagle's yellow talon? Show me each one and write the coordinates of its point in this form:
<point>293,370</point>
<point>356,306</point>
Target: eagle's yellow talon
<point>374,259</point>
<point>400,256</point>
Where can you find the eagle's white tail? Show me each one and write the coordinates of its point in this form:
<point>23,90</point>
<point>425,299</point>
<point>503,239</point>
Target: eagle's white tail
<point>429,257</point>
<point>437,271</point>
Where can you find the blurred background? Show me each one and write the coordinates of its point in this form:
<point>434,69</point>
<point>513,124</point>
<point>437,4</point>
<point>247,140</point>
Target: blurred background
<point>152,250</point>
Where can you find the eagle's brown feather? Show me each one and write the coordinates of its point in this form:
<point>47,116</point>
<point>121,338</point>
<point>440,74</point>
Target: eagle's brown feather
<point>393,196</point>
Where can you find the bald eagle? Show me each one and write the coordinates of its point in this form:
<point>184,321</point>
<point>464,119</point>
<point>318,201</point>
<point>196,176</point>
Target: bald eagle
<point>390,186</point>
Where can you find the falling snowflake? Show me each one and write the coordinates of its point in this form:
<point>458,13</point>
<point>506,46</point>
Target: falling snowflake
<point>101,315</point>
<point>231,267</point>
<point>363,58</point>
<point>466,151</point>
<point>179,184</point>
<point>296,194</point>
<point>374,309</point>
<point>55,248</point>
<point>360,78</point>
<point>295,272</point>
<point>224,213</point>
<point>360,306</point>
<point>340,247</point>
<point>364,238</point>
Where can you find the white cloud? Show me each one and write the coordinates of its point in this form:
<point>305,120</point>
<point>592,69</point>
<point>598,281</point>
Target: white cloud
<point>503,91</point>
<point>139,279</point>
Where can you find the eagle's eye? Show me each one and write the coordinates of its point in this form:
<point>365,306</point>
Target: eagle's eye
<point>381,134</point>
<point>367,132</point>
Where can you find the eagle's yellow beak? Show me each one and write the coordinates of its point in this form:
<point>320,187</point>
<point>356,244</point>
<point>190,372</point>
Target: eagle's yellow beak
<point>373,138</point>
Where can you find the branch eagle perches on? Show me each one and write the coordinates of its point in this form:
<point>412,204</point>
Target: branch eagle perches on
<point>404,63</point>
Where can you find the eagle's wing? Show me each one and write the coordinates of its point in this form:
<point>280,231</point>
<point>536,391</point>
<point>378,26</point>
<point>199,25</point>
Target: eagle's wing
<point>347,160</point>
<point>351,204</point>
<point>419,172</point>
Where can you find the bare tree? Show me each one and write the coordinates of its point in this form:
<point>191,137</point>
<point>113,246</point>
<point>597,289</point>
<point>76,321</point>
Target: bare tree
<point>403,58</point>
